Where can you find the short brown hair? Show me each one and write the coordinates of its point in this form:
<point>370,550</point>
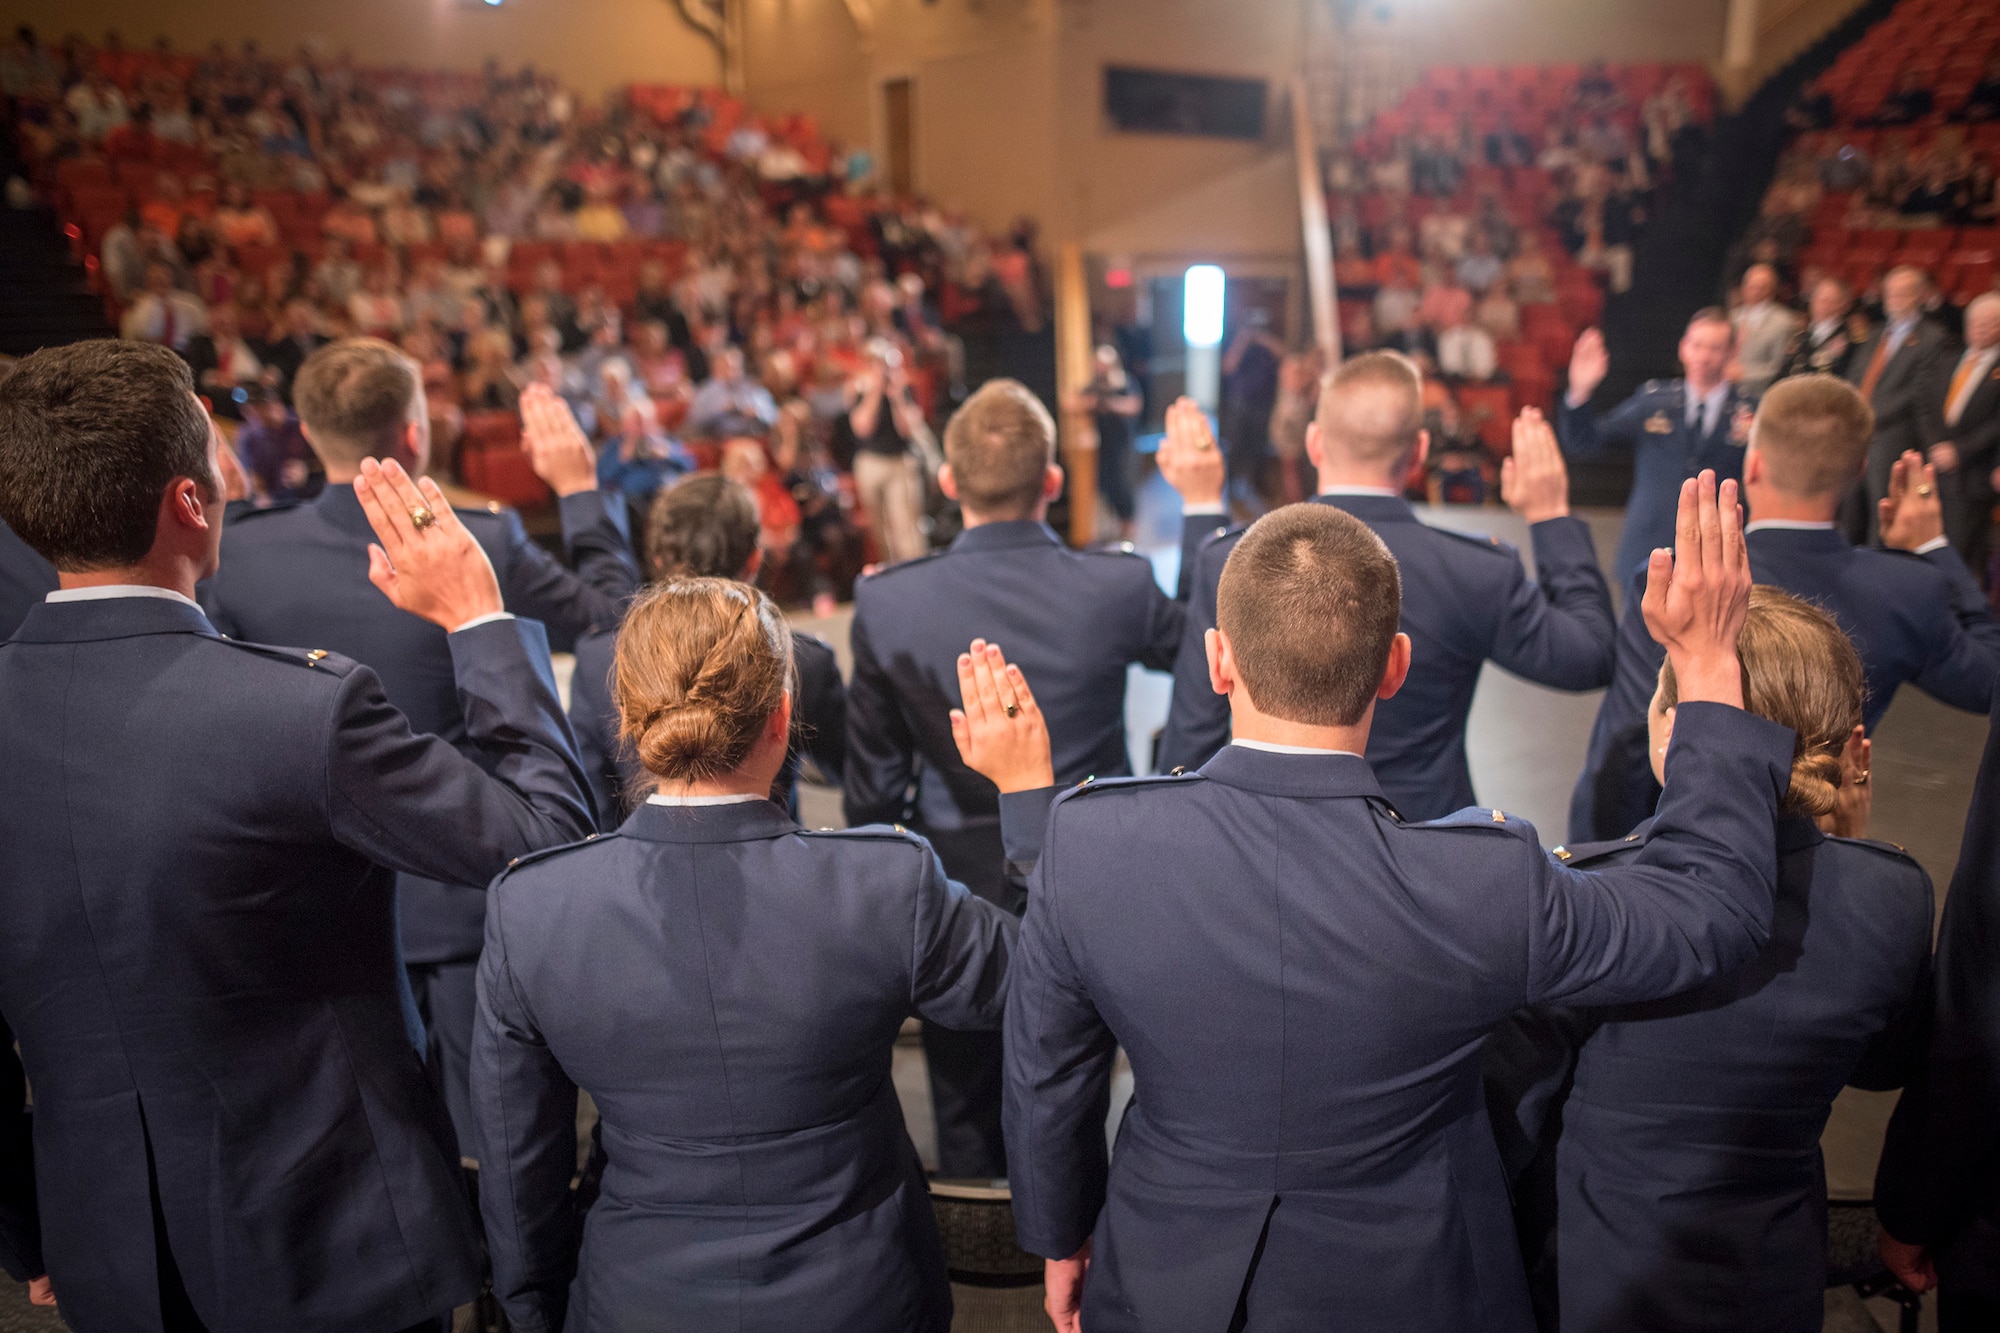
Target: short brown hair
<point>1714,314</point>
<point>1310,600</point>
<point>1372,409</point>
<point>704,526</point>
<point>354,397</point>
<point>1800,670</point>
<point>91,436</point>
<point>1812,433</point>
<point>702,664</point>
<point>1000,443</point>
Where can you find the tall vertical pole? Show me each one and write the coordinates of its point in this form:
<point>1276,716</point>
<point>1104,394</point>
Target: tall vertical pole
<point>1073,374</point>
<point>1313,223</point>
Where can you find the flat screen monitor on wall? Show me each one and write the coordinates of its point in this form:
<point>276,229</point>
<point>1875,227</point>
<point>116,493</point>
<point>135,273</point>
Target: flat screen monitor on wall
<point>1153,101</point>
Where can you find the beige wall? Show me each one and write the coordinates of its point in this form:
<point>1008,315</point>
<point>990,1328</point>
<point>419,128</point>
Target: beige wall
<point>1788,27</point>
<point>593,45</point>
<point>1512,32</point>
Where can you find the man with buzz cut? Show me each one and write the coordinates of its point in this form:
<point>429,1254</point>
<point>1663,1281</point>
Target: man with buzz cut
<point>1466,600</point>
<point>198,840</point>
<point>300,572</point>
<point>1304,982</point>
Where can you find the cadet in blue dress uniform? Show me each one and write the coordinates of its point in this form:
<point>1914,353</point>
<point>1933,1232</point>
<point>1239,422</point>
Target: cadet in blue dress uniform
<point>1465,599</point>
<point>1913,611</point>
<point>299,574</point>
<point>1073,621</point>
<point>728,988</point>
<point>1689,1191</point>
<point>705,527</point>
<point>1676,428</point>
<point>232,1129</point>
<point>1937,1189</point>
<point>1304,982</point>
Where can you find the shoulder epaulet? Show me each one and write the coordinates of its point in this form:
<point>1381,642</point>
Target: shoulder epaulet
<point>1091,785</point>
<point>491,509</point>
<point>1115,549</point>
<point>900,565</point>
<point>1479,817</point>
<point>1894,850</point>
<point>317,658</point>
<point>1581,855</point>
<point>1486,541</point>
<point>1654,386</point>
<point>870,832</point>
<point>544,854</point>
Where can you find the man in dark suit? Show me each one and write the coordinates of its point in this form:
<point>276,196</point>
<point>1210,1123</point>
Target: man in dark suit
<point>1824,344</point>
<point>222,362</point>
<point>1902,372</point>
<point>293,338</point>
<point>1967,453</point>
<point>1465,599</point>
<point>301,573</point>
<point>1676,428</point>
<point>232,1129</point>
<point>1304,982</point>
<point>1073,621</point>
<point>1913,610</point>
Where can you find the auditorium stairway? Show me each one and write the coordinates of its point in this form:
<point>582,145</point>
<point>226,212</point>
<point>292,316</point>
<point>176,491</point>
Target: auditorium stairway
<point>44,297</point>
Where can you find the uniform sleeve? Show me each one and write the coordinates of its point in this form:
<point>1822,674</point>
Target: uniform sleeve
<point>1198,717</point>
<point>1197,530</point>
<point>606,575</point>
<point>415,804</point>
<point>961,947</point>
<point>881,753</point>
<point>1586,435</point>
<point>1895,1055</point>
<point>595,724</point>
<point>822,714</point>
<point>1558,630</point>
<point>525,1106</point>
<point>1165,626</point>
<point>1058,1058</point>
<point>1964,660</point>
<point>1696,900</point>
<point>20,1220</point>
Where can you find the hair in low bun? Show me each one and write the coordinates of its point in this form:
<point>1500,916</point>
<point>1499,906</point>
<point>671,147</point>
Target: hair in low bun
<point>1800,671</point>
<point>702,665</point>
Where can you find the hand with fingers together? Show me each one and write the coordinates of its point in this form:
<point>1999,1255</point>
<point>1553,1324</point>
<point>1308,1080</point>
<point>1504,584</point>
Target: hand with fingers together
<point>556,446</point>
<point>1534,481</point>
<point>1698,594</point>
<point>1188,458</point>
<point>423,559</point>
<point>1000,732</point>
<point>1911,514</point>
<point>1855,802</point>
<point>1589,363</point>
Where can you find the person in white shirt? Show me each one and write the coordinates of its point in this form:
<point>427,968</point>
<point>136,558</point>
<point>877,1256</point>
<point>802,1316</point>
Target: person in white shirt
<point>1466,351</point>
<point>1764,329</point>
<point>164,314</point>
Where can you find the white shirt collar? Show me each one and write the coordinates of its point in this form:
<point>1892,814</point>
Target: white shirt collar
<point>1786,525</point>
<point>105,592</point>
<point>1389,491</point>
<point>1825,328</point>
<point>734,798</point>
<point>1272,747</point>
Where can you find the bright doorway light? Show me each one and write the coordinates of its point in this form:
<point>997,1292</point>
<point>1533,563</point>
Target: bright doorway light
<point>1204,287</point>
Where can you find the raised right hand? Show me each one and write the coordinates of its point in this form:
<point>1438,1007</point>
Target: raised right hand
<point>438,571</point>
<point>1534,480</point>
<point>556,446</point>
<point>1912,513</point>
<point>1589,363</point>
<point>1000,732</point>
<point>1188,457</point>
<point>1698,594</point>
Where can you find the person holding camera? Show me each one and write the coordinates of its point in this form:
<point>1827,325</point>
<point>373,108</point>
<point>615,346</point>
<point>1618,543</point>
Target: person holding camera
<point>885,431</point>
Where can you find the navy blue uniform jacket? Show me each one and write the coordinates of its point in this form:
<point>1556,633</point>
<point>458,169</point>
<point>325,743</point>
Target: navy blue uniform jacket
<point>1919,619</point>
<point>200,962</point>
<point>1938,1184</point>
<point>1465,600</point>
<point>25,578</point>
<point>728,988</point>
<point>1073,621</point>
<point>1690,1191</point>
<point>300,575</point>
<point>819,723</point>
<point>1665,453</point>
<point>1303,983</point>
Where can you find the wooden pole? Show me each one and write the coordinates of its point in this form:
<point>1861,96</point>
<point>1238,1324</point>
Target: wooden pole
<point>1073,374</point>
<point>1321,292</point>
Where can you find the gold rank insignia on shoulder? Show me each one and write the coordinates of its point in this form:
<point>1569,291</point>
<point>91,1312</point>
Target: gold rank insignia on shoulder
<point>493,506</point>
<point>1499,818</point>
<point>1562,854</point>
<point>899,828</point>
<point>1659,424</point>
<point>316,654</point>
<point>1631,837</point>
<point>1178,770</point>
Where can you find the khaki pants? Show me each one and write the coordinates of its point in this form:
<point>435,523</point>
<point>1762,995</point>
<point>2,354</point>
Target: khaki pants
<point>891,490</point>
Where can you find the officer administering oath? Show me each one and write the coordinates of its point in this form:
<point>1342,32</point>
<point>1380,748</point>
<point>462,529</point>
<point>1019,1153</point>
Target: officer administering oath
<point>198,840</point>
<point>1304,982</point>
<point>1676,428</point>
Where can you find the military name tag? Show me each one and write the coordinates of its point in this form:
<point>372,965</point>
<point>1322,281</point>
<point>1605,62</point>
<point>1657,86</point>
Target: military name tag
<point>1659,424</point>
